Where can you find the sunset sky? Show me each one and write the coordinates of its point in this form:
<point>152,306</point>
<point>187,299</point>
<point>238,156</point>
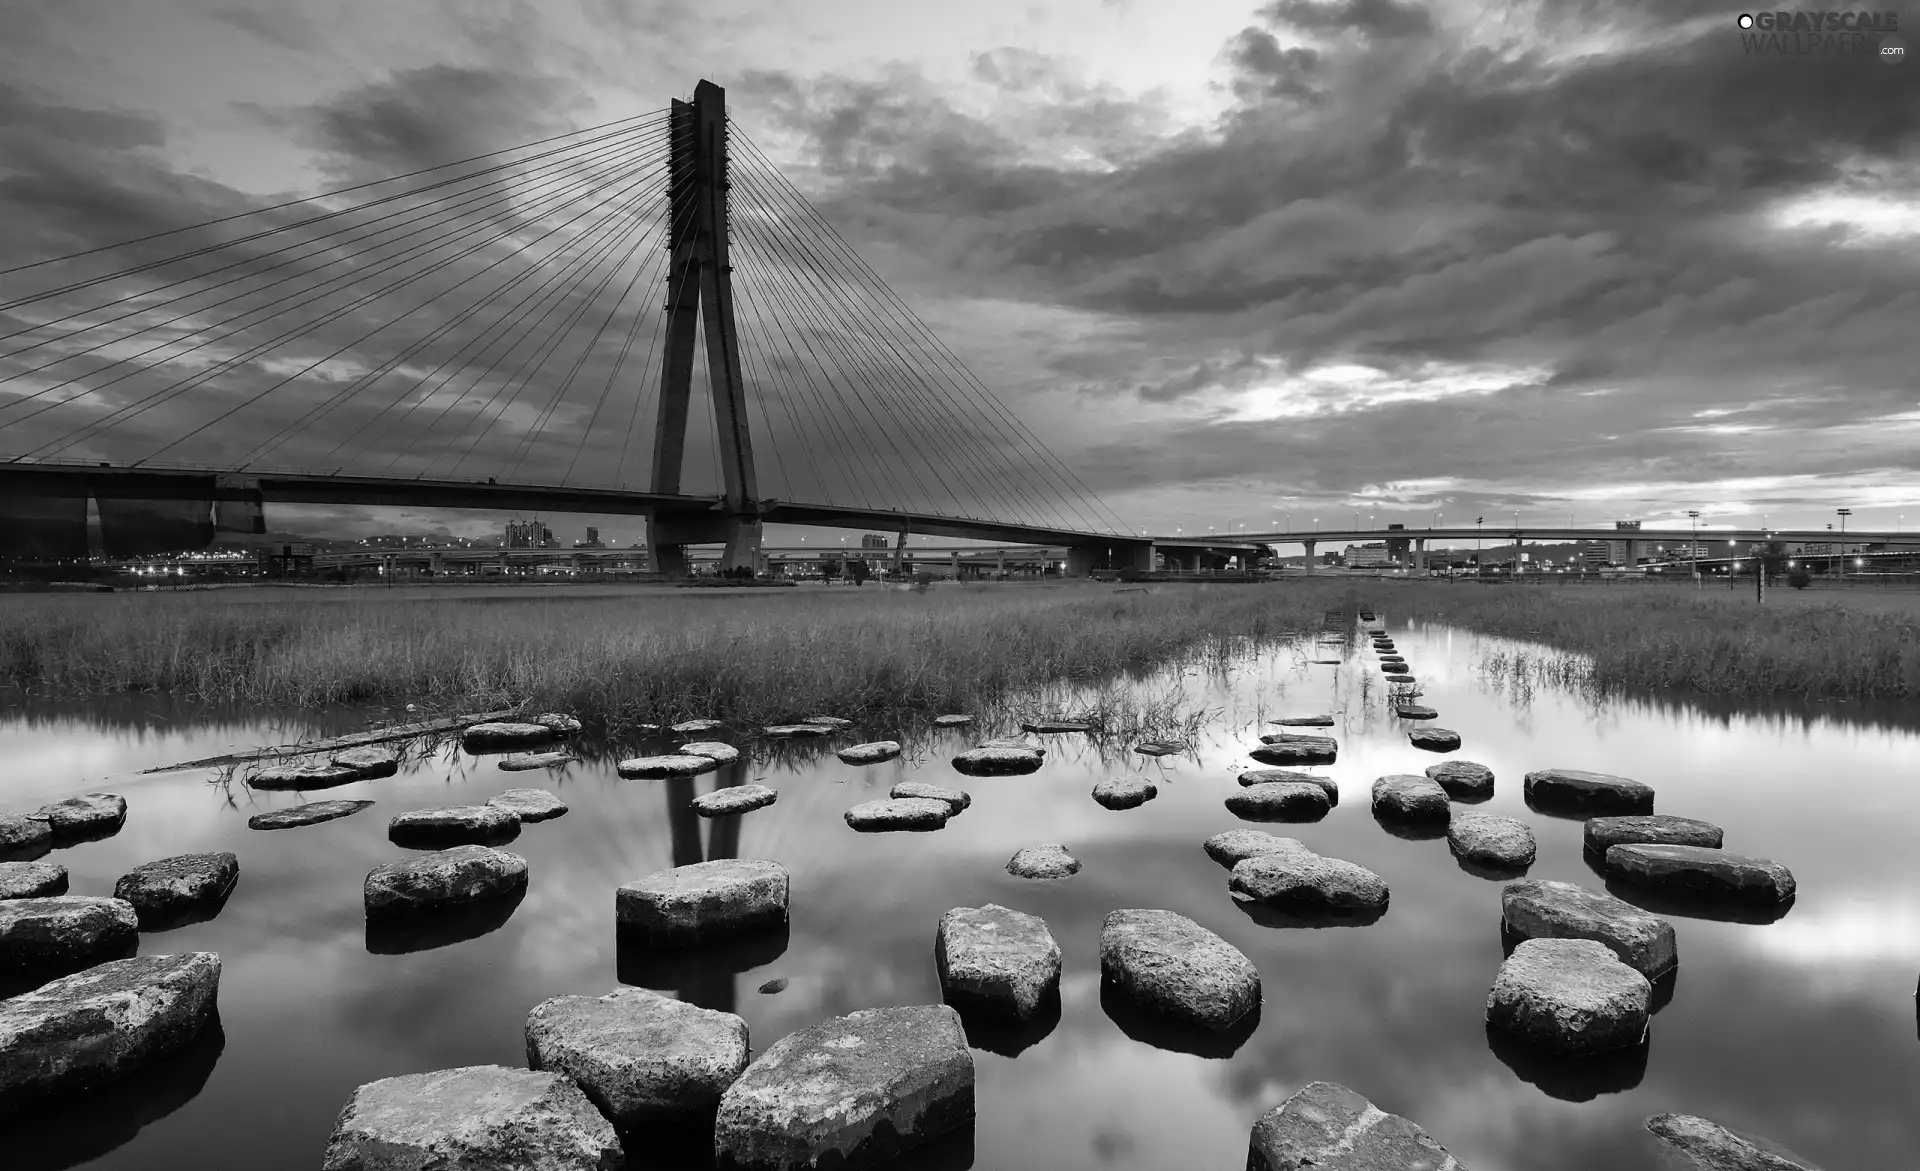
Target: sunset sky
<point>1583,259</point>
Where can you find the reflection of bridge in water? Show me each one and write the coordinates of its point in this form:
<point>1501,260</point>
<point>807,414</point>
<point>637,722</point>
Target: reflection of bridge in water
<point>716,988</point>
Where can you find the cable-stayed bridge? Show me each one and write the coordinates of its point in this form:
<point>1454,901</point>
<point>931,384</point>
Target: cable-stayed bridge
<point>520,331</point>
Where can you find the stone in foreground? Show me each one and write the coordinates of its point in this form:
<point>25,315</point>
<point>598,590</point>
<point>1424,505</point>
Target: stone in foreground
<point>1408,798</point>
<point>1292,750</point>
<point>1280,801</point>
<point>490,737</point>
<point>994,761</point>
<point>1572,790</point>
<point>653,768</point>
<point>689,727</point>
<point>1125,792</point>
<point>997,961</point>
<point>1414,711</point>
<point>1702,872</point>
<point>98,1026</point>
<point>443,880</point>
<point>899,813</point>
<point>1050,861</point>
<point>1021,743</point>
<point>644,1059</point>
<point>64,931</point>
<point>1159,748</point>
<point>1237,845</point>
<point>712,749</point>
<point>1707,1146</point>
<point>478,1118</point>
<point>734,799</point>
<point>848,1093</point>
<point>1655,829</point>
<point>92,815</point>
<point>1569,996</point>
<point>454,825</point>
<point>175,886</point>
<point>298,777</point>
<point>1264,776</point>
<point>954,720</point>
<point>561,723</point>
<point>1297,879</point>
<point>370,762</point>
<point>703,901</point>
<point>1464,780</point>
<point>20,833</point>
<point>920,789</point>
<point>530,804</point>
<point>1488,839</point>
<point>872,753</point>
<point>1537,909</point>
<point>1169,965</point>
<point>1434,739</point>
<point>523,762</point>
<point>1327,1127</point>
<point>32,880</point>
<point>312,813</point>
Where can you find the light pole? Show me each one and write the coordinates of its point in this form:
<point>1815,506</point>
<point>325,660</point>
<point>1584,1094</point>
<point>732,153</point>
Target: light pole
<point>1843,513</point>
<point>1513,567</point>
<point>1478,533</point>
<point>1693,546</point>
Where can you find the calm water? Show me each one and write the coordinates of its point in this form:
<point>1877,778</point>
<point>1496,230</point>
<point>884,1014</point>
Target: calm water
<point>1802,1030</point>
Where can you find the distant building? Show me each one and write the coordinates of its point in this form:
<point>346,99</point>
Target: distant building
<point>1398,547</point>
<point>527,534</point>
<point>873,541</point>
<point>1368,556</point>
<point>1598,553</point>
<point>592,541</point>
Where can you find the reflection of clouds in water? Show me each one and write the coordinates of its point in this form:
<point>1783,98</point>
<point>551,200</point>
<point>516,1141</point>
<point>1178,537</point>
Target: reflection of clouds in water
<point>1849,940</point>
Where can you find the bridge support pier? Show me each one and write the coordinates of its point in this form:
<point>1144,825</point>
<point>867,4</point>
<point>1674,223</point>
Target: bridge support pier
<point>1419,554</point>
<point>1309,558</point>
<point>743,544</point>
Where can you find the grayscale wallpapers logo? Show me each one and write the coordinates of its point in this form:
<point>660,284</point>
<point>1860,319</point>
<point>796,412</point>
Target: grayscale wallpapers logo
<point>1808,34</point>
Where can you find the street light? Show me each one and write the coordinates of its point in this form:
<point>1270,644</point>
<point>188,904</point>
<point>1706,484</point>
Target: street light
<point>1843,514</point>
<point>1693,546</point>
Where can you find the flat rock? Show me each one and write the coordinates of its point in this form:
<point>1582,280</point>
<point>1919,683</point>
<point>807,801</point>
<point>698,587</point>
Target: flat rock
<point>1399,678</point>
<point>711,749</point>
<point>648,768</point>
<point>987,761</point>
<point>1464,780</point>
<point>559,723</point>
<point>689,727</point>
<point>1237,845</point>
<point>732,799</point>
<point>444,879</point>
<point>1569,996</point>
<point>644,1059</point>
<point>522,762</point>
<point>20,833</point>
<point>1167,964</point>
<point>953,720</point>
<point>920,789</point>
<point>899,813</point>
<point>1327,1127</point>
<point>1019,742</point>
<point>1538,909</point>
<point>1054,726</point>
<point>797,731</point>
<point>703,901</point>
<point>828,721</point>
<point>1285,750</point>
<point>1406,797</point>
<point>370,762</point>
<point>849,1093</point>
<point>1304,722</point>
<point>1708,1146</point>
<point>478,1118</point>
<point>452,825</point>
<point>504,734</point>
<point>1488,839</point>
<point>1654,829</point>
<point>98,1026</point>
<point>62,930</point>
<point>1414,711</point>
<point>997,961</point>
<point>92,815</point>
<point>1700,871</point>
<point>530,804</point>
<point>312,813</point>
<point>1159,748</point>
<point>1280,801</point>
<point>173,886</point>
<point>1266,776</point>
<point>1125,792</point>
<point>296,777</point>
<point>1296,878</point>
<point>873,753</point>
<point>1050,861</point>
<point>1572,790</point>
<point>32,880</point>
<point>1434,739</point>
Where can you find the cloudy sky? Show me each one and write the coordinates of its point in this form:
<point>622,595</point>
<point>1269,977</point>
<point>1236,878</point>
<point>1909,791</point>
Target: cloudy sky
<point>1235,264</point>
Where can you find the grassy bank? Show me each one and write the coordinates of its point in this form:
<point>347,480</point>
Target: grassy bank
<point>1665,638</point>
<point>763,658</point>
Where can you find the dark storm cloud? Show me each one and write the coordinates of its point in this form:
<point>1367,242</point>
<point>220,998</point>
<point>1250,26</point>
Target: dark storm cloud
<point>1262,69</point>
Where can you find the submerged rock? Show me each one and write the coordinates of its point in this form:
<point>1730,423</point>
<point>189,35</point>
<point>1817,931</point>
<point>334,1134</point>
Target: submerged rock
<point>1237,845</point>
<point>797,731</point>
<point>1657,829</point>
<point>1327,1127</point>
<point>828,721</point>
<point>1280,801</point>
<point>996,761</point>
<point>1464,780</point>
<point>1054,726</point>
<point>1125,792</point>
<point>559,723</point>
<point>1708,1146</point>
<point>1023,743</point>
<point>1400,678</point>
<point>1490,840</point>
<point>704,901</point>
<point>175,886</point>
<point>20,834</point>
<point>874,753</point>
<point>1050,861</point>
<point>530,804</point>
<point>1159,748</point>
<point>64,931</point>
<point>899,813</point>
<point>997,961</point>
<point>953,797</point>
<point>1295,878</point>
<point>1434,739</point>
<point>297,777</point>
<point>32,880</point>
<point>480,1117</point>
<point>368,763</point>
<point>1573,790</point>
<point>849,1093</point>
<point>643,768</point>
<point>92,815</point>
<point>734,799</point>
<point>1265,776</point>
<point>1405,797</point>
<point>1304,722</point>
<point>1537,909</point>
<point>521,762</point>
<point>1414,711</point>
<point>1286,750</point>
<point>503,734</point>
<point>1569,996</point>
<point>644,1059</point>
<point>454,825</point>
<point>954,720</point>
<point>312,813</point>
<point>444,879</point>
<point>1702,872</point>
<point>1169,965</point>
<point>711,749</point>
<point>689,727</point>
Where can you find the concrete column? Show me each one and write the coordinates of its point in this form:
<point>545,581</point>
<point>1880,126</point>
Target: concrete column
<point>1080,560</point>
<point>1419,554</point>
<point>743,543</point>
<point>953,560</point>
<point>437,562</point>
<point>1310,546</point>
<point>1002,571</point>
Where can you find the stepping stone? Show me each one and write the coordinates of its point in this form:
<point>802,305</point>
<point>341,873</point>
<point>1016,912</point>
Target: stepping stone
<point>67,931</point>
<point>689,727</point>
<point>828,721</point>
<point>850,1092</point>
<point>1304,722</point>
<point>1326,662</point>
<point>734,799</point>
<point>798,731</point>
<point>899,813</point>
<point>1392,661</point>
<point>1296,878</point>
<point>952,721</point>
<point>1434,739</point>
<point>1392,668</point>
<point>1050,861</point>
<point>312,813</point>
<point>1700,1145</point>
<point>530,804</point>
<point>454,825</point>
<point>1487,839</point>
<point>1408,798</point>
<point>368,763</point>
<point>1125,792</point>
<point>1656,829</point>
<point>711,749</point>
<point>1400,679</point>
<point>99,1026</point>
<point>1536,909</point>
<point>1569,996</point>
<point>91,816</point>
<point>702,902</point>
<point>521,762</point>
<point>1159,748</point>
<point>1280,801</point>
<point>20,834</point>
<point>1054,726</point>
<point>171,887</point>
<point>297,777</point>
<point>478,1117</point>
<point>1297,750</point>
<point>1702,872</point>
<point>32,880</point>
<point>653,768</point>
<point>1019,742</point>
<point>492,737</point>
<point>777,984</point>
<point>1572,790</point>
<point>559,723</point>
<point>1268,776</point>
<point>642,1058</point>
<point>997,962</point>
<point>1464,780</point>
<point>1235,846</point>
<point>1327,1127</point>
<point>1413,711</point>
<point>954,798</point>
<point>444,879</point>
<point>996,761</point>
<point>1170,966</point>
<point>872,753</point>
